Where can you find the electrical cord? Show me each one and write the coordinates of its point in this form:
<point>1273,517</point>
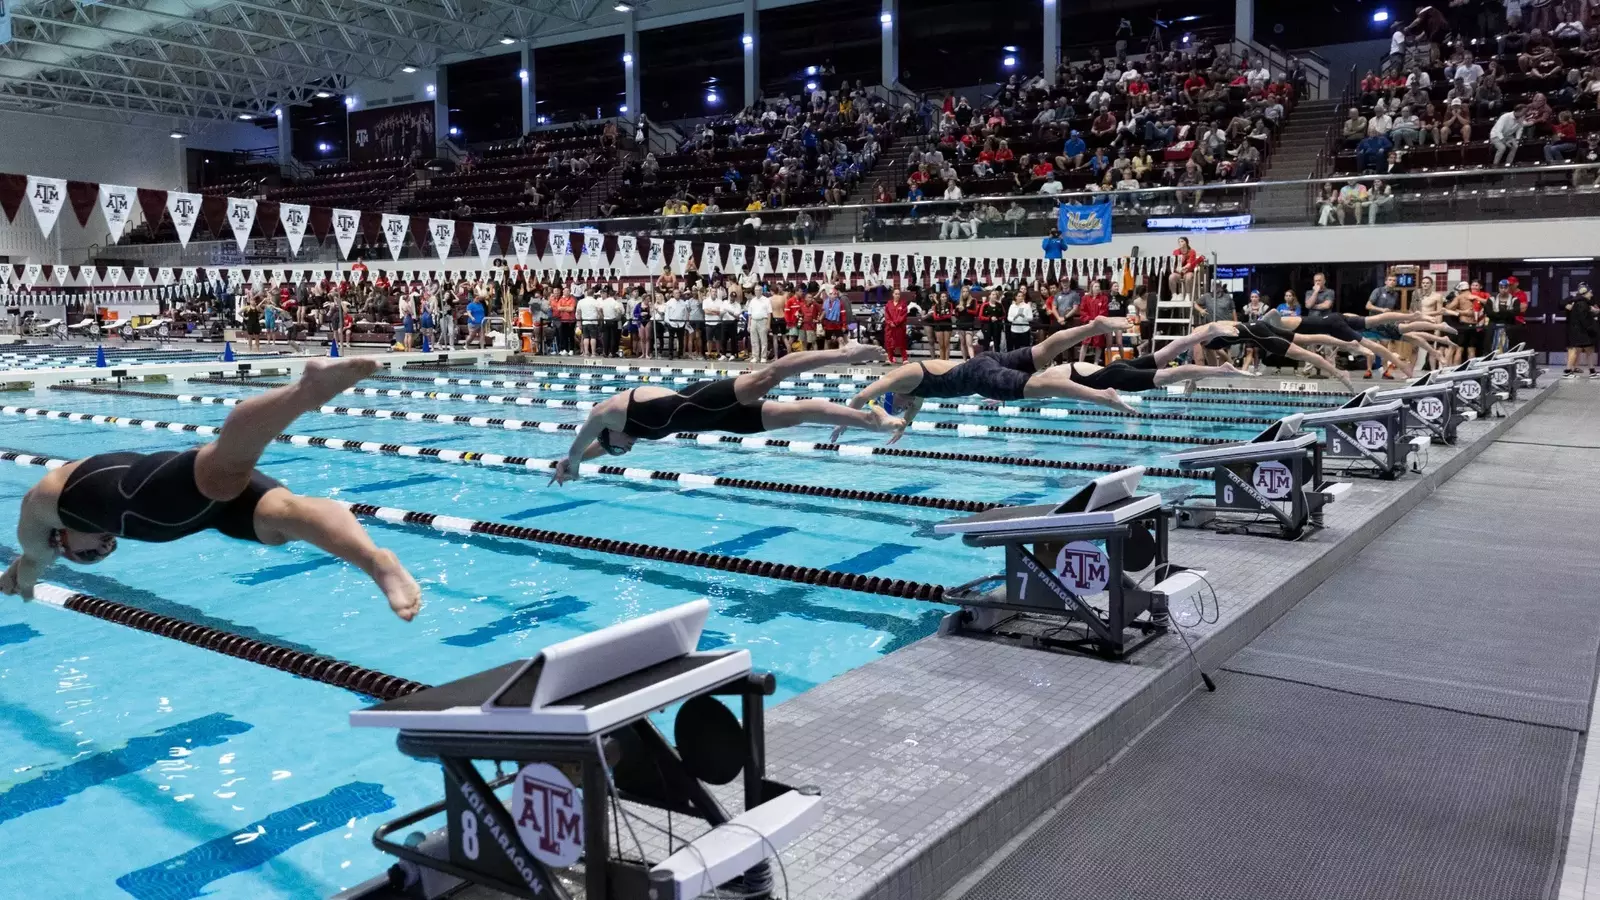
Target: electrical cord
<point>1200,615</point>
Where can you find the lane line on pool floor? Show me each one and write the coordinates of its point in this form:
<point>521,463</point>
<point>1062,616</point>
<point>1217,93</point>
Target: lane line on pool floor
<point>959,429</point>
<point>714,440</point>
<point>469,457</point>
<point>994,409</point>
<point>796,383</point>
<point>455,525</point>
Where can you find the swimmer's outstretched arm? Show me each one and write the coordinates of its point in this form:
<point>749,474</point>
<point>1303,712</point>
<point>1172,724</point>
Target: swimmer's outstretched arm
<point>33,536</point>
<point>903,379</point>
<point>612,413</point>
<point>1319,362</point>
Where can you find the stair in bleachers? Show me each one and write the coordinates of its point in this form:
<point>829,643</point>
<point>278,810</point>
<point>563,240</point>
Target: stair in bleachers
<point>1295,157</point>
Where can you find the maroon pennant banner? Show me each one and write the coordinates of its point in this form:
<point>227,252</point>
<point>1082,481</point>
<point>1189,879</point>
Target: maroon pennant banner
<point>153,204</point>
<point>267,223</point>
<point>12,189</point>
<point>321,223</point>
<point>214,211</point>
<point>84,196</point>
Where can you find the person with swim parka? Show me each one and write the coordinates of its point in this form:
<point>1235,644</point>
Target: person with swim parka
<point>735,405</point>
<point>1029,373</point>
<point>79,511</point>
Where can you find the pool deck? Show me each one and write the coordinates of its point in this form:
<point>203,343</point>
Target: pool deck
<point>935,757</point>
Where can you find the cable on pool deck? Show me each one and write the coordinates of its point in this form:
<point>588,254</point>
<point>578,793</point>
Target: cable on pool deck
<point>987,408</point>
<point>812,380</point>
<point>465,457</point>
<point>741,440</point>
<point>323,669</point>
<point>369,682</point>
<point>961,430</point>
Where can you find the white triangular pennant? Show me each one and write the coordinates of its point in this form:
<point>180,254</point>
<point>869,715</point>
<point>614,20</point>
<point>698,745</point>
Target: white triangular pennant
<point>32,273</point>
<point>62,274</point>
<point>808,262</point>
<point>483,239</point>
<point>628,253</point>
<point>593,243</point>
<point>295,218</point>
<point>346,222</point>
<point>443,232</point>
<point>736,259</point>
<point>658,252</point>
<point>141,275</point>
<point>241,216</point>
<point>165,275</point>
<point>116,204</point>
<point>558,251</point>
<point>711,258</point>
<point>522,242</point>
<point>394,232</point>
<point>114,275</point>
<point>46,196</point>
<point>185,211</point>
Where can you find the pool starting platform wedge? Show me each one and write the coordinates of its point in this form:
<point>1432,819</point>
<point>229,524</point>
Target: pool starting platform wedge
<point>576,722</point>
<point>1272,480</point>
<point>1060,558</point>
<point>1368,437</point>
<point>1429,410</point>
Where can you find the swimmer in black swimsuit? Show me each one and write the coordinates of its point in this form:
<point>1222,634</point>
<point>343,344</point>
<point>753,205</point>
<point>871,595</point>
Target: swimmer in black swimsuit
<point>1344,331</point>
<point>1270,342</point>
<point>1028,373</point>
<point>78,511</point>
<point>734,405</point>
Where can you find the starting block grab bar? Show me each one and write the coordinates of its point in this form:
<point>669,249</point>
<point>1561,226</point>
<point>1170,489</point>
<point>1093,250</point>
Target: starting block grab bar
<point>1274,479</point>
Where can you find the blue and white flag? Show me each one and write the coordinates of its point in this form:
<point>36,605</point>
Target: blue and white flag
<point>1084,223</point>
<point>5,22</point>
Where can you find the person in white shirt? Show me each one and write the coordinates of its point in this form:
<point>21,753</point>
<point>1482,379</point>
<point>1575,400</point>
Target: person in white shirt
<point>952,191</point>
<point>958,225</point>
<point>677,314</point>
<point>1258,77</point>
<point>1019,322</point>
<point>1052,185</point>
<point>711,307</point>
<point>728,326</point>
<point>1469,73</point>
<point>611,309</point>
<point>760,310</point>
<point>1380,123</point>
<point>1506,136</point>
<point>590,312</point>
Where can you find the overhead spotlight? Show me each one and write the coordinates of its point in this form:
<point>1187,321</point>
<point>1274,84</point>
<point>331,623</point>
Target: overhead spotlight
<point>324,146</point>
<point>349,103</point>
<point>432,90</point>
<point>1010,48</point>
<point>627,59</point>
<point>811,70</point>
<point>747,40</point>
<point>622,7</point>
<point>178,135</point>
<point>811,85</point>
<point>711,97</point>
<point>623,109</point>
<point>1189,19</point>
<point>522,75</point>
<point>455,131</point>
<point>323,95</point>
<point>245,117</point>
<point>541,120</point>
<point>1009,62</point>
<point>508,40</point>
<point>886,19</point>
<point>409,70</point>
<point>1380,15</point>
<point>277,111</point>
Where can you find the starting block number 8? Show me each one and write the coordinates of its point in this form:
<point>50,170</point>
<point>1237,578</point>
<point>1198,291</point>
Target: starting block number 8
<point>469,833</point>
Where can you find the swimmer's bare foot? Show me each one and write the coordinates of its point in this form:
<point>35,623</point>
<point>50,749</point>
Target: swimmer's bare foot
<point>1108,324</point>
<point>405,597</point>
<point>1231,369</point>
<point>859,353</point>
<point>1344,376</point>
<point>327,377</point>
<point>1111,398</point>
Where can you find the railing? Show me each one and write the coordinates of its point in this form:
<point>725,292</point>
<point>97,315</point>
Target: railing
<point>1544,191</point>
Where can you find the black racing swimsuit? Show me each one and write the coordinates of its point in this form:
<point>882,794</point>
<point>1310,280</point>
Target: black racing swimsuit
<point>702,406</point>
<point>996,376</point>
<point>1270,341</point>
<point>1332,325</point>
<point>153,497</point>
<point>1132,375</point>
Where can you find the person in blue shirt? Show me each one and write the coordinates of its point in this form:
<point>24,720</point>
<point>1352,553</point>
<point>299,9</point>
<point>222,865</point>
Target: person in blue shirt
<point>1099,162</point>
<point>1372,152</point>
<point>914,196</point>
<point>1072,152</point>
<point>1053,245</point>
<point>475,316</point>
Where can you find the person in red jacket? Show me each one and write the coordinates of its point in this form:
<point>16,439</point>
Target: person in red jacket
<point>1096,304</point>
<point>894,326</point>
<point>792,306</point>
<point>810,316</point>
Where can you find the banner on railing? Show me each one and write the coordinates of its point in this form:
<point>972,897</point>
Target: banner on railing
<point>1083,224</point>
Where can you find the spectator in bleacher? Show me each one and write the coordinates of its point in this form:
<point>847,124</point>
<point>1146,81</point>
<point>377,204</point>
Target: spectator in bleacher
<point>1354,128</point>
<point>1372,151</point>
<point>1588,154</point>
<point>1073,153</point>
<point>1563,139</point>
<point>1379,123</point>
<point>1506,136</point>
<point>1379,200</point>
<point>1464,69</point>
<point>1489,97</point>
<point>1405,130</point>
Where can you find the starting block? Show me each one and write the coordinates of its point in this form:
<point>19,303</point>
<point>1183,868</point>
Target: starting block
<point>575,719</point>
<point>1059,557</point>
<point>1430,410</point>
<point>1274,478</point>
<point>1472,385</point>
<point>1528,369</point>
<point>1502,374</point>
<point>1368,434</point>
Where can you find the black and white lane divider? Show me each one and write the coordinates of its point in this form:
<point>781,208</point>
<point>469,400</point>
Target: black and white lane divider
<point>888,587</point>
<point>956,429</point>
<point>756,441</point>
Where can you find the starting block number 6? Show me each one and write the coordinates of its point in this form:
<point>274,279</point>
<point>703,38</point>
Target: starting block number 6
<point>1227,493</point>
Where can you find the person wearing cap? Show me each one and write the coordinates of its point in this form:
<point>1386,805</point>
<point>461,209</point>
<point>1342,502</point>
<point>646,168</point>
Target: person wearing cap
<point>1501,311</point>
<point>1465,310</point>
<point>1583,331</point>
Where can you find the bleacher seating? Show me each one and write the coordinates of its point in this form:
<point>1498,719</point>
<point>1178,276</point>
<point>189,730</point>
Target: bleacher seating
<point>350,185</point>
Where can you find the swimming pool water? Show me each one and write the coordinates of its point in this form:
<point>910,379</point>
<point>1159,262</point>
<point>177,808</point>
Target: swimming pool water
<point>194,774</point>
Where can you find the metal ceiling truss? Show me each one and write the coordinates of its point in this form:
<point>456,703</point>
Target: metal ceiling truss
<point>133,58</point>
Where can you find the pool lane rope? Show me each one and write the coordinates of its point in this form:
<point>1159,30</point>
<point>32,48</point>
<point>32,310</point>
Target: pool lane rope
<point>371,683</point>
<point>312,666</point>
<point>697,438</point>
<point>987,408</point>
<point>820,381</point>
<point>959,429</point>
<point>469,457</point>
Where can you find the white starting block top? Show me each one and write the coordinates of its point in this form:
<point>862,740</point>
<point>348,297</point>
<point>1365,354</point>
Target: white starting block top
<point>1495,360</point>
<point>1412,392</point>
<point>1463,372</point>
<point>588,685</point>
<point>1108,500</point>
<point>1351,413</point>
<point>1282,438</point>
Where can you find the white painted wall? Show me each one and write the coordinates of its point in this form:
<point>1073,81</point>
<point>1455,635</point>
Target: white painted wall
<point>109,152</point>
